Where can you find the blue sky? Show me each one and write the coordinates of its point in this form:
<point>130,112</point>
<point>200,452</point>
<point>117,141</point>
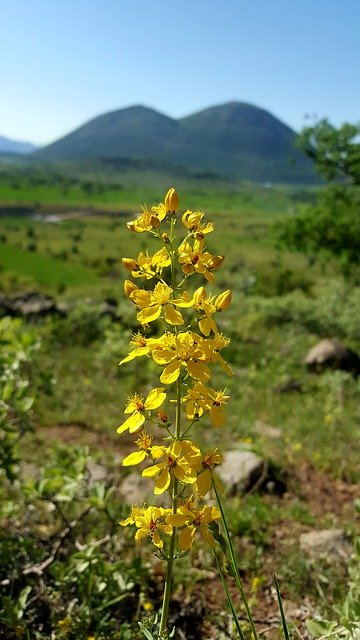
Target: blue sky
<point>63,63</point>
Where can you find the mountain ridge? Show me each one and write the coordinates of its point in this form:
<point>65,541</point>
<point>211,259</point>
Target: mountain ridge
<point>234,139</point>
<point>8,145</point>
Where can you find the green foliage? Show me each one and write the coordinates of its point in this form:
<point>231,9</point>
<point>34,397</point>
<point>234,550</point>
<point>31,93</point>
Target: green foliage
<point>69,573</point>
<point>332,226</point>
<point>84,325</point>
<point>336,152</point>
<point>334,311</point>
<point>346,624</point>
<point>17,345</point>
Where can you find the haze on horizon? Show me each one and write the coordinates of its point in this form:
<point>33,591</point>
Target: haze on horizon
<point>64,64</point>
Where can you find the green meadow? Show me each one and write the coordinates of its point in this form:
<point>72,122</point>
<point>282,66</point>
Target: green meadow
<point>304,425</point>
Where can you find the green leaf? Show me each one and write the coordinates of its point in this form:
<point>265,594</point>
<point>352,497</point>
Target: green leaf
<point>282,613</point>
<point>320,627</point>
<point>147,633</point>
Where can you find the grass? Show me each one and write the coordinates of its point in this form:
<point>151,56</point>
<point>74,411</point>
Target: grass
<point>47,272</point>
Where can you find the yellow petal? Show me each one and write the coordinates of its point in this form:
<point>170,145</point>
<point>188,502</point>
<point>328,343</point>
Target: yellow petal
<point>198,370</point>
<point>176,519</point>
<point>133,423</point>
<point>149,314</point>
<point>203,483</point>
<point>171,373</point>
<point>172,316</point>
<point>150,472</point>
<point>134,458</point>
<point>186,538</point>
<point>163,481</point>
<point>217,416</point>
<point>155,398</point>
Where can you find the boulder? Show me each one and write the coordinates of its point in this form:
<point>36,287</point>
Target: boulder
<point>332,354</point>
<point>240,470</point>
<point>329,542</point>
<point>30,305</point>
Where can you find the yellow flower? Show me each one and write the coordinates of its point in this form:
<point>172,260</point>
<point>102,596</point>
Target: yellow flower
<point>137,406</point>
<point>171,201</point>
<point>194,260</point>
<point>192,220</point>
<point>141,349</point>
<point>179,459</point>
<point>193,520</point>
<point>212,346</point>
<point>179,350</point>
<point>148,266</point>
<point>150,521</point>
<point>144,443</point>
<point>200,399</point>
<point>207,306</point>
<point>205,468</point>
<point>148,220</point>
<point>153,303</point>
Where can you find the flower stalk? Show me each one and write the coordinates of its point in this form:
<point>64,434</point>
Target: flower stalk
<point>186,353</point>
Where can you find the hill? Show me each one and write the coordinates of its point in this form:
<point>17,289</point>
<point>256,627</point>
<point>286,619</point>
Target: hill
<point>15,146</point>
<point>235,140</point>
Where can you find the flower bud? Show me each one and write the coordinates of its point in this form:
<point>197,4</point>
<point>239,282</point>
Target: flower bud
<point>171,201</point>
<point>223,300</point>
<point>165,238</point>
<point>129,288</point>
<point>215,263</point>
<point>199,295</point>
<point>130,264</point>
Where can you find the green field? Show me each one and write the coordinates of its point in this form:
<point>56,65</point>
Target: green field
<point>283,304</point>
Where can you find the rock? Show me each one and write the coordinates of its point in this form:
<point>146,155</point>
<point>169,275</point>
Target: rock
<point>329,542</point>
<point>332,354</point>
<point>289,386</point>
<point>264,429</point>
<point>135,490</point>
<point>30,305</point>
<point>240,470</point>
<point>97,472</point>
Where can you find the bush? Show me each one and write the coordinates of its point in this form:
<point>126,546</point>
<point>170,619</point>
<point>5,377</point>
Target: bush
<point>83,326</point>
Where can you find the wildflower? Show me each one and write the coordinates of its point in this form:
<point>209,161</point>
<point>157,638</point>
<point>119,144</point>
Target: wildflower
<point>148,220</point>
<point>179,459</point>
<point>171,201</point>
<point>137,406</point>
<point>144,443</point>
<point>150,521</point>
<point>195,260</point>
<point>206,472</point>
<point>192,220</point>
<point>193,520</point>
<point>180,350</point>
<point>148,266</point>
<point>141,348</point>
<point>212,346</point>
<point>202,399</point>
<point>208,306</point>
<point>153,303</point>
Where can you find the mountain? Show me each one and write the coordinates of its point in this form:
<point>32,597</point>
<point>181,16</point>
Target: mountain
<point>15,146</point>
<point>235,140</point>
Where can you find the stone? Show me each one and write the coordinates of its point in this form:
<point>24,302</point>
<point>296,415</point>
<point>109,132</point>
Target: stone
<point>240,470</point>
<point>135,490</point>
<point>30,305</point>
<point>328,542</point>
<point>264,429</point>
<point>332,354</point>
<point>97,472</point>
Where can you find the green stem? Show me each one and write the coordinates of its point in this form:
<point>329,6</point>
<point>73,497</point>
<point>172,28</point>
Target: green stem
<point>234,562</point>
<point>229,598</point>
<point>170,561</point>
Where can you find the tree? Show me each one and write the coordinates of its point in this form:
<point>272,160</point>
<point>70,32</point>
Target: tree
<point>332,225</point>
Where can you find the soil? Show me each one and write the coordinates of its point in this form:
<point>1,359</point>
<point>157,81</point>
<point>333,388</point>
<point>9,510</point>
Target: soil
<point>203,612</point>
